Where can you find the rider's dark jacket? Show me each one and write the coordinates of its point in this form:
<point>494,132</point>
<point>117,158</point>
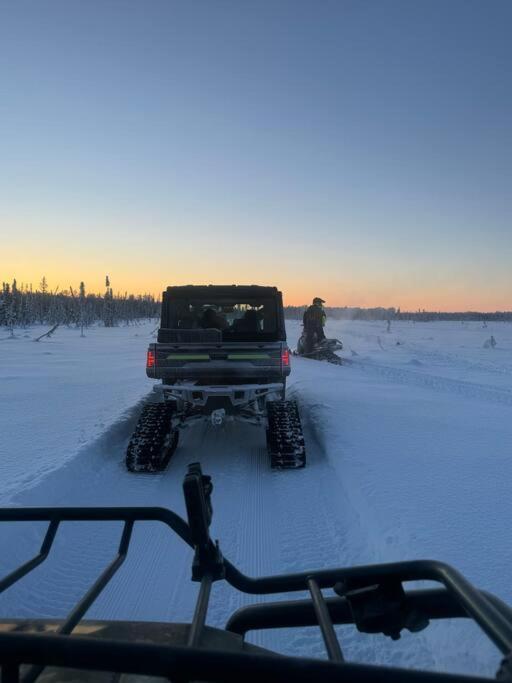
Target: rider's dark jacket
<point>314,321</point>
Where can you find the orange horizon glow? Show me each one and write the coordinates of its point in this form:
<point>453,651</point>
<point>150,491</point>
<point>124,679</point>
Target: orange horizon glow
<point>148,259</point>
<point>354,294</point>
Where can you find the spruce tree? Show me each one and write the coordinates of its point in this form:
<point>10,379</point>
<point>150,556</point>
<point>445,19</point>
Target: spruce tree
<point>81,297</point>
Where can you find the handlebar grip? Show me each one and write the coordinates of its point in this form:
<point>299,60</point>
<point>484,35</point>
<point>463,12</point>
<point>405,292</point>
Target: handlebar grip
<point>197,489</point>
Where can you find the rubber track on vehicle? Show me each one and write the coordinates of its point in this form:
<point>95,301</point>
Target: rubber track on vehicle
<point>285,439</point>
<point>152,442</point>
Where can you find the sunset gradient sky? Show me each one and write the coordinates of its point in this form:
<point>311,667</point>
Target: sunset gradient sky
<point>360,151</point>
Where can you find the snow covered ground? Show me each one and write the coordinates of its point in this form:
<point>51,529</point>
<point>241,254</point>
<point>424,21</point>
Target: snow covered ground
<point>408,457</point>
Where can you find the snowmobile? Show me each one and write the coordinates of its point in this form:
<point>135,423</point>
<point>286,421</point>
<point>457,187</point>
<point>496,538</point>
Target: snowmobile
<point>372,598</point>
<point>322,350</point>
<point>221,355</point>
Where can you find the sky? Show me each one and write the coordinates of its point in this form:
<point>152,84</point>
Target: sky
<point>355,150</point>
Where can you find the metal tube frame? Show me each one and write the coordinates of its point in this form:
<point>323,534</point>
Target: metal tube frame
<point>331,641</point>
<point>457,598</point>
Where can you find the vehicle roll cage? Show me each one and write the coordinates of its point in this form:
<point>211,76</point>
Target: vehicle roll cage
<point>371,597</point>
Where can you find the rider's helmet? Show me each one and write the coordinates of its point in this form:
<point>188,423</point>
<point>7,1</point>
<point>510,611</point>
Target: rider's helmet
<point>317,301</point>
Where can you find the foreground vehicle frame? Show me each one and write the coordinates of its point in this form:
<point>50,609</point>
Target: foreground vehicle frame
<point>371,597</point>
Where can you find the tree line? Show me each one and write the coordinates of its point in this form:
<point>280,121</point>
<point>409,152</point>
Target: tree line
<point>346,313</point>
<point>21,306</point>
<point>379,313</point>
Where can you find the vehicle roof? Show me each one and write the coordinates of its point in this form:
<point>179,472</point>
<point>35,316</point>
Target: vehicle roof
<point>221,290</point>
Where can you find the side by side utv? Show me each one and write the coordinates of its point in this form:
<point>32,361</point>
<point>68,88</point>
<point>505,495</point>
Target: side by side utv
<point>221,354</point>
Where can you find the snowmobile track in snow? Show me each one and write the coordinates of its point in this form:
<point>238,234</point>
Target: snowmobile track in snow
<point>437,383</point>
<point>472,390</point>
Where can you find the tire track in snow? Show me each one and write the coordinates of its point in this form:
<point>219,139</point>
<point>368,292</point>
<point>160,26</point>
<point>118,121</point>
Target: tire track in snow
<point>97,477</point>
<point>267,522</point>
<point>333,533</point>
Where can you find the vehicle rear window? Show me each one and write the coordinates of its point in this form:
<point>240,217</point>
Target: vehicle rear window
<point>237,319</point>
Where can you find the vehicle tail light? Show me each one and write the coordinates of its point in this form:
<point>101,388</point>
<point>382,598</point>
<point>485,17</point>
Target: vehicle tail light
<point>150,361</point>
<point>285,358</point>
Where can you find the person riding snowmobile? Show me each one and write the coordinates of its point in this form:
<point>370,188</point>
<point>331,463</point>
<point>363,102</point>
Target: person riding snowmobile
<point>314,321</point>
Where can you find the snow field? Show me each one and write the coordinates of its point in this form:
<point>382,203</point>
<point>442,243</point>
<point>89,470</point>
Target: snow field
<point>408,457</point>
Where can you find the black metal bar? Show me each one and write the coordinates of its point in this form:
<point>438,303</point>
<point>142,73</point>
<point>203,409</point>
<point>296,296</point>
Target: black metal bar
<point>102,514</point>
<point>501,606</point>
<point>487,616</point>
<point>201,664</point>
<point>20,572</point>
<point>435,603</point>
<point>324,621</point>
<point>490,619</point>
<point>94,591</point>
<point>24,569</point>
<point>10,673</point>
<point>126,537</point>
<point>81,608</point>
<point>199,620</point>
<point>49,537</point>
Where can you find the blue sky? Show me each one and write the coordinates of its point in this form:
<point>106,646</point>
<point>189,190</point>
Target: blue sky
<point>359,150</point>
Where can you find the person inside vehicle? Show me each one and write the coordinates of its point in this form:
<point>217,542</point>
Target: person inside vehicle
<point>314,322</point>
<point>212,319</point>
<point>250,323</point>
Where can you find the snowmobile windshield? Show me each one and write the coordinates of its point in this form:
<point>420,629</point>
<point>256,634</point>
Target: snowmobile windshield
<point>238,320</point>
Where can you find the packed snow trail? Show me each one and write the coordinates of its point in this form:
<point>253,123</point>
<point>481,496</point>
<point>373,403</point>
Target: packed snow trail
<point>400,466</point>
<point>264,527</point>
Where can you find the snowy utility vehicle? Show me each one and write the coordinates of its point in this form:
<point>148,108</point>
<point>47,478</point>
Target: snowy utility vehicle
<point>221,354</point>
<point>372,598</point>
